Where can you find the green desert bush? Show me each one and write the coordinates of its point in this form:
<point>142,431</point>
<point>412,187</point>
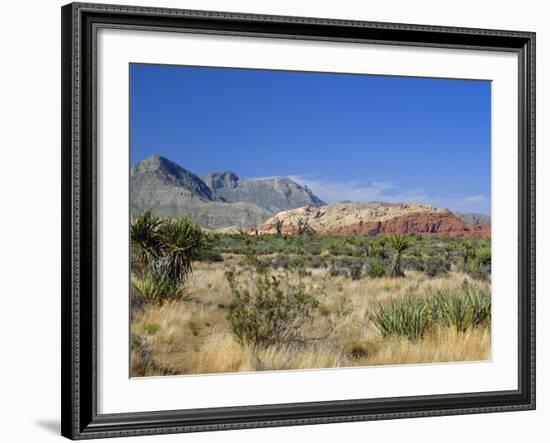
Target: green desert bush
<point>431,266</point>
<point>376,250</point>
<point>358,350</point>
<point>376,268</point>
<point>151,328</point>
<point>194,328</point>
<point>263,313</point>
<point>356,271</point>
<point>476,268</point>
<point>210,255</point>
<point>336,271</point>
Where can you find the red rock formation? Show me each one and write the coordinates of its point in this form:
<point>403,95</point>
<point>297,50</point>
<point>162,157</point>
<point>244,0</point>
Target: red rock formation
<point>348,220</point>
<point>447,225</point>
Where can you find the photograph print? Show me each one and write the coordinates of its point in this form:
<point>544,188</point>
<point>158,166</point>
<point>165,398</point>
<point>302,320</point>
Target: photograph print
<point>288,220</point>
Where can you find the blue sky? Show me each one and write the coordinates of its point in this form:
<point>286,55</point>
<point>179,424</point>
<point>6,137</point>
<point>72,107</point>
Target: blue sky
<point>348,137</point>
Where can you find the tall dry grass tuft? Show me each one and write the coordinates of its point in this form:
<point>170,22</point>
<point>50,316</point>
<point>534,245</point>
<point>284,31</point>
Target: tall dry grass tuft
<point>444,345</point>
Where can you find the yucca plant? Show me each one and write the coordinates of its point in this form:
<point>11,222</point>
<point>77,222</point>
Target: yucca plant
<point>154,289</point>
<point>480,301</point>
<point>144,234</point>
<point>407,317</point>
<point>181,243</point>
<point>398,243</point>
<point>464,308</point>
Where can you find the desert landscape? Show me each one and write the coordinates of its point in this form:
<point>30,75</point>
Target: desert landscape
<point>231,274</point>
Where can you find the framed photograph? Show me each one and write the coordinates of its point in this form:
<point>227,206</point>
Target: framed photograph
<point>274,221</point>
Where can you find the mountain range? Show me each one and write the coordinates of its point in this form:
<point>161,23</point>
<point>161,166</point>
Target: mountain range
<point>225,201</point>
<point>217,200</point>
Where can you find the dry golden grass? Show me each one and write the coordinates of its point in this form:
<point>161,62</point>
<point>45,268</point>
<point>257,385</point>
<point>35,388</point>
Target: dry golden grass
<point>192,336</point>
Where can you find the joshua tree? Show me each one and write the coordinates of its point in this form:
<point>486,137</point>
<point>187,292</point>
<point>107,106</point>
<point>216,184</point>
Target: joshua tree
<point>398,243</point>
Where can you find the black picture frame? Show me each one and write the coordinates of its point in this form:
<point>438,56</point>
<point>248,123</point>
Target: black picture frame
<point>79,171</point>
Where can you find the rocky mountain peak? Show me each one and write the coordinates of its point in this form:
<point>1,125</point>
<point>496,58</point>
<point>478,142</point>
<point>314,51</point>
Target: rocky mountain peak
<point>217,180</point>
<point>160,170</point>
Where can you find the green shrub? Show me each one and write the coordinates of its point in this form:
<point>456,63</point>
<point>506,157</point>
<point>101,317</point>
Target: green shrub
<point>262,313</point>
<point>315,261</point>
<point>324,310</point>
<point>376,268</point>
<point>196,345</point>
<point>356,271</point>
<point>376,250</point>
<point>336,271</point>
<point>476,270</point>
<point>195,328</point>
<point>210,255</point>
<point>151,328</point>
<point>407,317</point>
<point>431,266</point>
<point>358,350</point>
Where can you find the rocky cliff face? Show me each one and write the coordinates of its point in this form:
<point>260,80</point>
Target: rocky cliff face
<point>274,194</point>
<point>373,219</point>
<point>219,200</point>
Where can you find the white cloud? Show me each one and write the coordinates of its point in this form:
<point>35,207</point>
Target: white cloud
<point>332,192</point>
<point>390,192</point>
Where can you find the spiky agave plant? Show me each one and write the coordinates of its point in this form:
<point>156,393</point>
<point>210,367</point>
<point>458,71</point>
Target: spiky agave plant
<point>153,288</point>
<point>398,243</point>
<point>144,234</point>
<point>406,317</point>
<point>181,243</point>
